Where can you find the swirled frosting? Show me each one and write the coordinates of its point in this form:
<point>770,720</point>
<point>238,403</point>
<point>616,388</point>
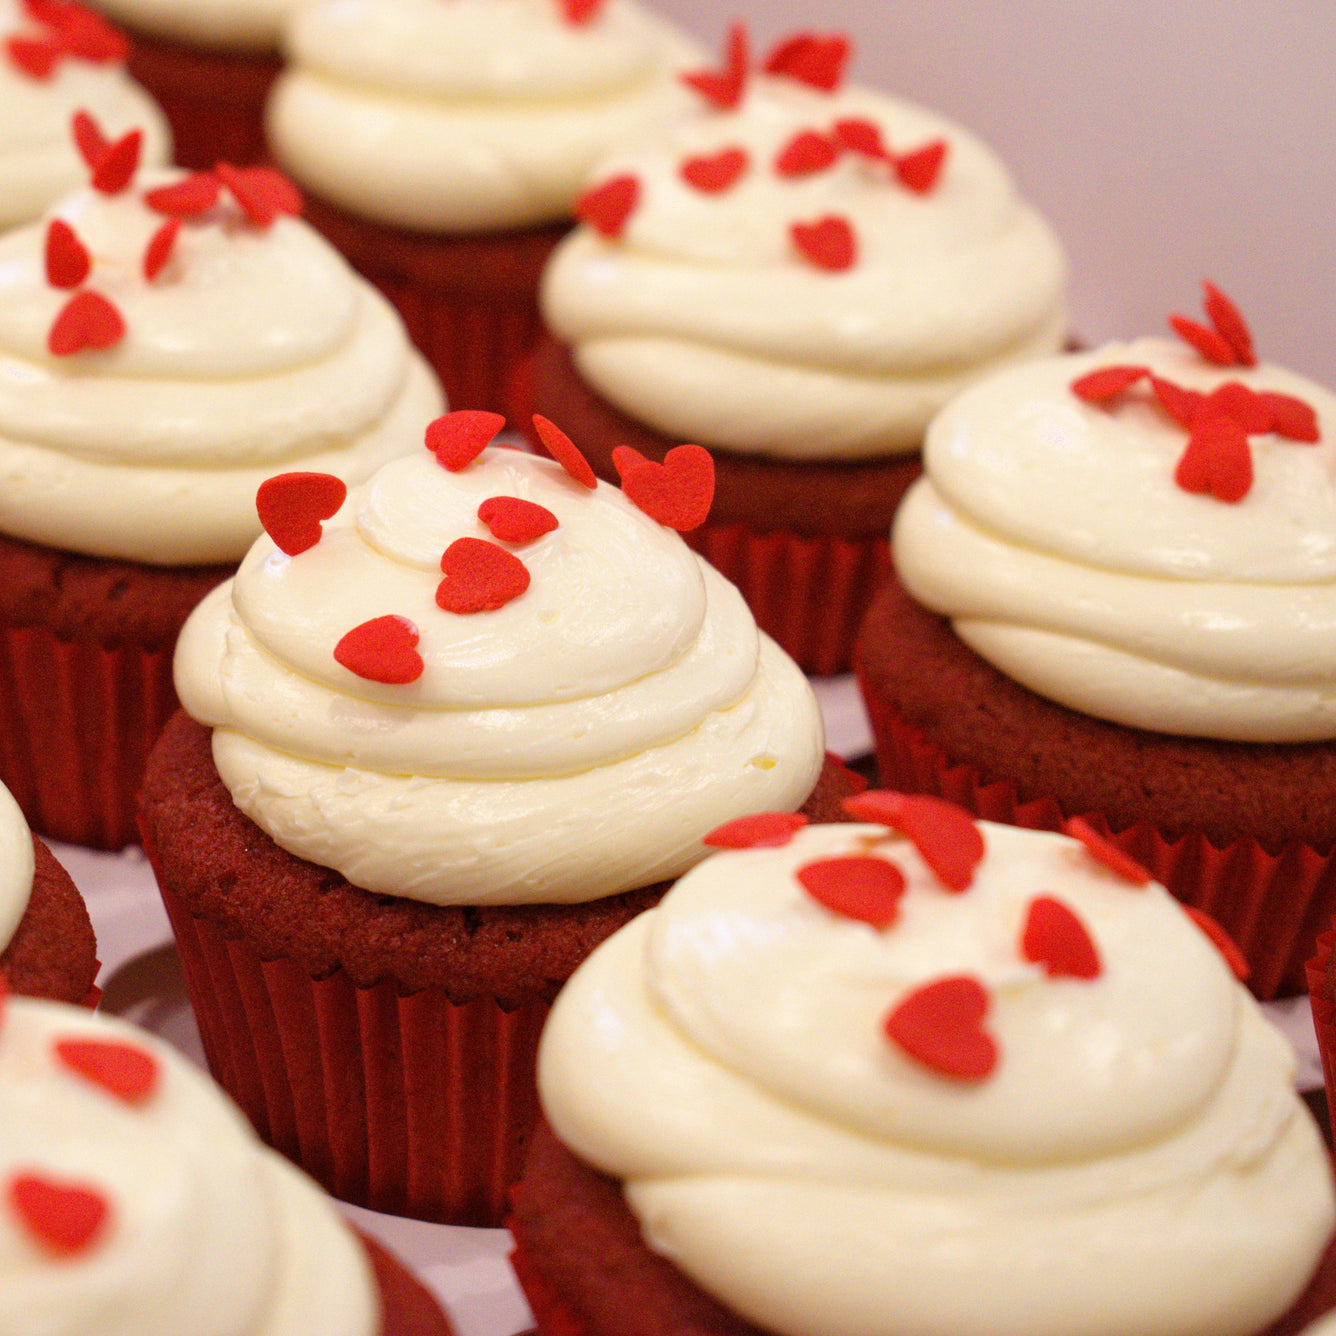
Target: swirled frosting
<point>253,351</point>
<point>575,742</point>
<point>702,320</point>
<point>471,116</point>
<point>203,1230</point>
<point>226,24</point>
<point>38,162</point>
<point>1136,1160</point>
<point>1052,533</point>
<point>16,866</point>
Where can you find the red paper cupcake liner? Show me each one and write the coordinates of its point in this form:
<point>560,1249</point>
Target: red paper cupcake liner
<point>411,1105</point>
<point>808,594</point>
<point>1272,905</point>
<point>1324,1009</point>
<point>77,721</point>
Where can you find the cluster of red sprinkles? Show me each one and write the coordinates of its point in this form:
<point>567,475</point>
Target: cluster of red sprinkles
<point>828,242</point>
<point>481,574</point>
<point>89,319</point>
<point>941,1023</point>
<point>1217,460</point>
<point>68,32</point>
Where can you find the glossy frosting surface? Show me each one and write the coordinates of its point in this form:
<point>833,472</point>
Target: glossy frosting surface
<point>228,24</point>
<point>724,1055</point>
<point>16,866</point>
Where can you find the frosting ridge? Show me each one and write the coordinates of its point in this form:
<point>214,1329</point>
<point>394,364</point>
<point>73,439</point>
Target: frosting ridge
<point>16,866</point>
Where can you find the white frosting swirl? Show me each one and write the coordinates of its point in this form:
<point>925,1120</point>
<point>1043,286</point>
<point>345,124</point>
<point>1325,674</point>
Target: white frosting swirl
<point>1052,533</point>
<point>1136,1161</point>
<point>575,743</point>
<point>471,116</point>
<point>255,351</point>
<point>208,1232</point>
<point>241,25</point>
<point>16,866</point>
<point>38,160</point>
<point>702,321</point>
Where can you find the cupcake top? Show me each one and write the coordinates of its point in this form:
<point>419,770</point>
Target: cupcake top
<point>241,25</point>
<point>136,1200</point>
<point>1145,533</point>
<point>16,866</point>
<point>169,341</point>
<point>800,267</point>
<point>54,60</point>
<point>472,116</point>
<point>560,718</point>
<point>923,1074</point>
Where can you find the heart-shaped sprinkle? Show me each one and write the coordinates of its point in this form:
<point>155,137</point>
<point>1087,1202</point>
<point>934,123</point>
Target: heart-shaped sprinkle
<point>1208,342</point>
<point>1222,941</point>
<point>722,89</point>
<point>827,243</point>
<point>1181,405</point>
<point>87,320</point>
<point>677,493</point>
<point>564,451</point>
<point>1230,325</point>
<point>1290,417</point>
<point>1217,461</point>
<point>715,172</point>
<point>383,649</point>
<point>762,830</point>
<point>291,506</point>
<point>127,1072</point>
<point>918,170</point>
<point>84,34</point>
<point>857,887</point>
<point>580,11</point>
<point>861,136</point>
<point>159,248</point>
<point>457,439</point>
<point>1233,399</point>
<point>479,577</point>
<point>940,1025</point>
<point>114,169</point>
<point>263,193</point>
<point>811,59</point>
<point>607,206</point>
<point>89,139</point>
<point>1055,938</point>
<point>1104,851</point>
<point>67,258</point>
<point>65,1218</point>
<point>512,519</point>
<point>1099,386</point>
<point>805,153</point>
<point>946,836</point>
<point>36,57</point>
<point>188,198</point>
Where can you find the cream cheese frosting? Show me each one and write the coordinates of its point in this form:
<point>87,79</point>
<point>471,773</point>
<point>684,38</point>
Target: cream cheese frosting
<point>472,116</point>
<point>702,319</point>
<point>16,866</point>
<point>1052,533</point>
<point>227,24</point>
<point>203,1230</point>
<point>574,743</point>
<point>1135,1160</point>
<point>255,350</point>
<point>38,162</point>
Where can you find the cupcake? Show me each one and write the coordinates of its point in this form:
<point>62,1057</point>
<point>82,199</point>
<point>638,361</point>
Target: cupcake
<point>166,343</point>
<point>47,947</point>
<point>398,809</point>
<point>443,146</point>
<point>919,1075</point>
<point>210,64</point>
<point>136,1200</point>
<point>796,276</point>
<point>1114,600</point>
<point>56,59</point>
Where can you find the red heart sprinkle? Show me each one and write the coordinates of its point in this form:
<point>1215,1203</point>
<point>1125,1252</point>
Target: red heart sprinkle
<point>382,650</point>
<point>514,520</point>
<point>607,206</point>
<point>64,1217</point>
<point>715,172</point>
<point>291,506</point>
<point>945,835</point>
<point>940,1025</point>
<point>828,243</point>
<point>1181,405</point>
<point>159,249</point>
<point>722,89</point>
<point>457,439</point>
<point>1098,387</point>
<point>1230,325</point>
<point>262,192</point>
<point>1206,341</point>
<point>87,320</point>
<point>762,830</point>
<point>564,451</point>
<point>1235,400</point>
<point>677,493</point>
<point>128,1073</point>
<point>1217,461</point>
<point>1290,417</point>
<point>87,35</point>
<point>1104,850</point>
<point>857,887</point>
<point>115,168</point>
<point>580,11</point>
<point>861,136</point>
<point>1222,941</point>
<point>67,258</point>
<point>811,59</point>
<point>805,153</point>
<point>189,198</point>
<point>34,56</point>
<point>918,171</point>
<point>89,139</point>
<point>479,577</point>
<point>1056,939</point>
